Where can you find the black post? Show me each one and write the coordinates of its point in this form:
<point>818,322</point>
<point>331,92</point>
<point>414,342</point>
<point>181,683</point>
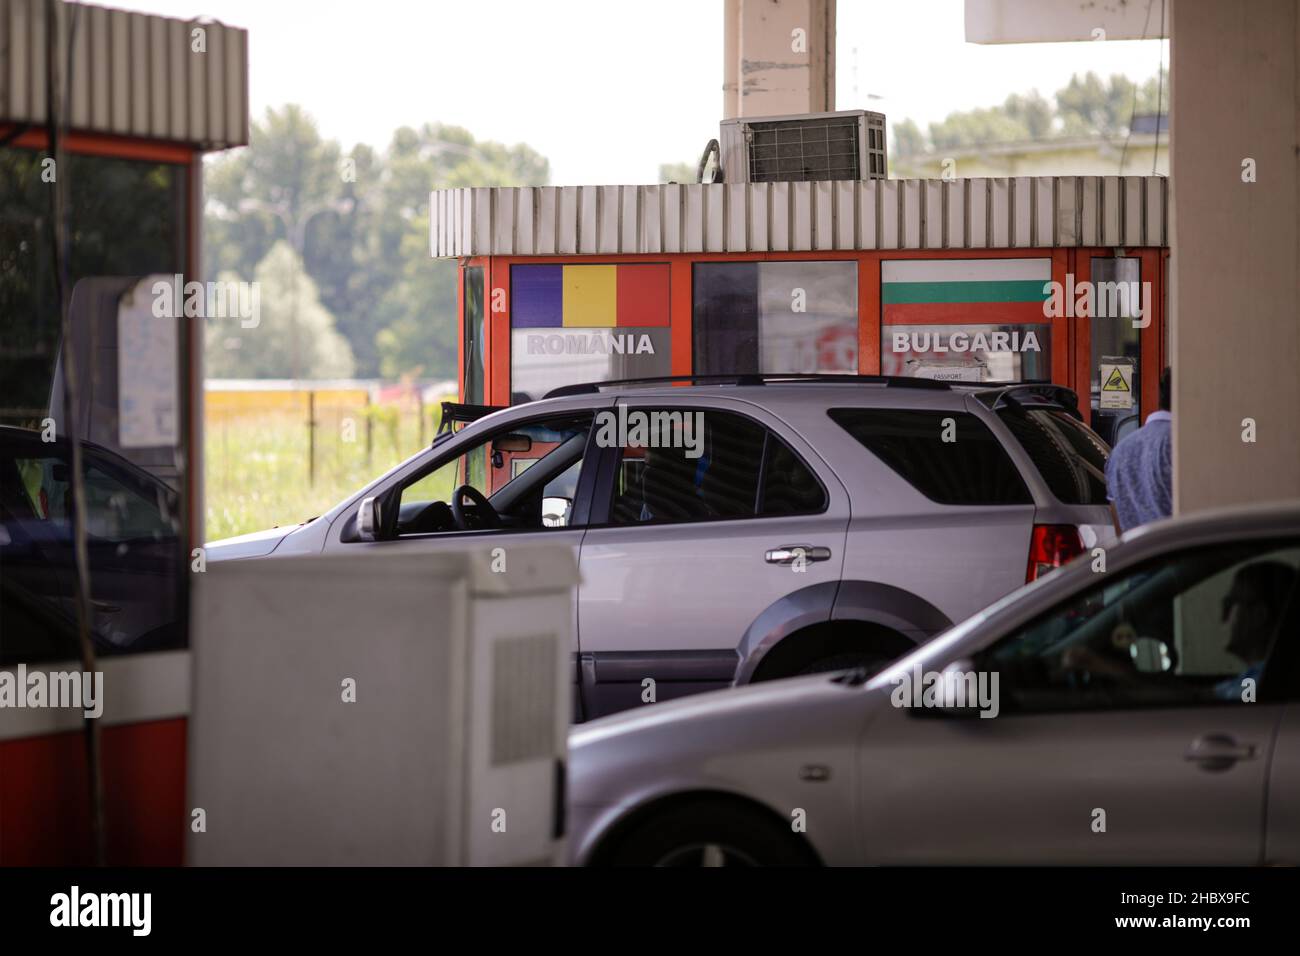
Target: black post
<point>311,437</point>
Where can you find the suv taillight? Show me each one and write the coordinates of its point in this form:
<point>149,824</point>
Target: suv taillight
<point>1050,546</point>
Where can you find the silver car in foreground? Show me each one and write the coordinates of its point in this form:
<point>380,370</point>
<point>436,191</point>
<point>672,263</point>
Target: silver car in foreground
<point>1141,706</point>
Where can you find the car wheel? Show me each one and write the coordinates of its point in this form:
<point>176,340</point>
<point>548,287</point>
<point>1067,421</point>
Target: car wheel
<point>844,661</point>
<point>710,833</point>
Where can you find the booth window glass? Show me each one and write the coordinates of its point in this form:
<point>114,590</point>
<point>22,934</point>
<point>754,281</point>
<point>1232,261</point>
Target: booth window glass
<point>1116,346</point>
<point>975,320</point>
<point>775,317</point>
<point>473,332</point>
<point>127,218</point>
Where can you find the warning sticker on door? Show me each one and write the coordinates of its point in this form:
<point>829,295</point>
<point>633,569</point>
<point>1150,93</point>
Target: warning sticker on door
<point>1116,384</point>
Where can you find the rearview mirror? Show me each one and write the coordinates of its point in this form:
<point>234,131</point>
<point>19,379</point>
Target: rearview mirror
<point>368,519</point>
<point>513,443</point>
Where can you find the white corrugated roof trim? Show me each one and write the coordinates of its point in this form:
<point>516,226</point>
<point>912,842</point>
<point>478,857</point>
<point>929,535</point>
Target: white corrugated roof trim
<point>132,74</point>
<point>995,213</point>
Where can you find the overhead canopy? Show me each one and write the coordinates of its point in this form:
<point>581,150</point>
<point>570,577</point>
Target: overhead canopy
<point>1019,212</point>
<point>1043,21</point>
<point>131,74</point>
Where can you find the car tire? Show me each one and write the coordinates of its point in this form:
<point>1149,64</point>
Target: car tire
<point>844,661</point>
<point>710,833</point>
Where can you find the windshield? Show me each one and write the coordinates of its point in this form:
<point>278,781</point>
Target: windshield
<point>941,649</point>
<point>501,457</point>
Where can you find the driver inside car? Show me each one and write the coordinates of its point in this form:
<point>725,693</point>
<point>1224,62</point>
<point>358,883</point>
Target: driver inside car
<point>1252,609</point>
<point>459,494</point>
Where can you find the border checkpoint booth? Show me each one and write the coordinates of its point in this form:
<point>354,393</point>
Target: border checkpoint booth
<point>993,279</point>
<point>144,98</point>
<point>221,741</point>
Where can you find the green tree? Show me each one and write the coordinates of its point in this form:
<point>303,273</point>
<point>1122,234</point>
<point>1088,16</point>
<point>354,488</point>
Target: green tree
<point>1090,106</point>
<point>360,222</point>
<point>1153,95</point>
<point>906,138</point>
<point>419,333</point>
<point>294,332</point>
<point>415,313</point>
<point>293,185</point>
<point>259,194</point>
<point>976,127</point>
<point>1034,114</point>
<point>1087,106</point>
<point>678,172</point>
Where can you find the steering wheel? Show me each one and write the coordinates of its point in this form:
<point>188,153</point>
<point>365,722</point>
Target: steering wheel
<point>483,510</point>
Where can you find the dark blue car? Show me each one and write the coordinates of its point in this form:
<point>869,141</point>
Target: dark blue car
<point>134,549</point>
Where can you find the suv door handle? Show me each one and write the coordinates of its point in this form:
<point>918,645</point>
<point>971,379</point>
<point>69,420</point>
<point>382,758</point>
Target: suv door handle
<point>789,553</point>
<point>1218,751</point>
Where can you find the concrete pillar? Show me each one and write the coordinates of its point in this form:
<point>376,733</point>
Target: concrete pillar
<point>1235,263</point>
<point>779,57</point>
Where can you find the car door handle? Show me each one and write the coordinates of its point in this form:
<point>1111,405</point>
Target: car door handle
<point>790,553</point>
<point>1218,751</point>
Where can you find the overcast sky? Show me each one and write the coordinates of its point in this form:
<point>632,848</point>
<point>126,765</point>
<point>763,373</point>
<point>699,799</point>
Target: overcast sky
<point>609,89</point>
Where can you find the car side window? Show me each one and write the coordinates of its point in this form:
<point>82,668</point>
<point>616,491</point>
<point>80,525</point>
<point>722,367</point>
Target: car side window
<point>116,511</point>
<point>1198,628</point>
<point>132,549</point>
<point>789,486</point>
<point>950,457</point>
<point>528,471</point>
<point>683,465</point>
<point>1069,455</point>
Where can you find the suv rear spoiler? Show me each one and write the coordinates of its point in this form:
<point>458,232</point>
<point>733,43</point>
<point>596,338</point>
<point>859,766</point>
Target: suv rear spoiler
<point>1031,393</point>
<point>453,412</point>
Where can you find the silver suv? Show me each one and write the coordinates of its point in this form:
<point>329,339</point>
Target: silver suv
<point>742,529</point>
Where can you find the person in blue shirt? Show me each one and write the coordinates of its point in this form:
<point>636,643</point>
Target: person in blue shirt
<point>1139,472</point>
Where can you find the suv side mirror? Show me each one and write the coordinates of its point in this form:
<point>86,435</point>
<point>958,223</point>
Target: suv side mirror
<point>555,512</point>
<point>964,690</point>
<point>368,519</point>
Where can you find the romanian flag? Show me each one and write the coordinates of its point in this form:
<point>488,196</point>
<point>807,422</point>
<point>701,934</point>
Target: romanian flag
<point>964,291</point>
<point>588,297</point>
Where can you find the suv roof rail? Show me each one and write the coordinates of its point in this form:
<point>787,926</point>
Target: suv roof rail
<point>755,378</point>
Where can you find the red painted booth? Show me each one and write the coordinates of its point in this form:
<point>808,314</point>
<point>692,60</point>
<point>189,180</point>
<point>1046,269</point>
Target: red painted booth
<point>1058,279</point>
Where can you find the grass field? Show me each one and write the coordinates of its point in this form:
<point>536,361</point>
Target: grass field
<point>256,459</point>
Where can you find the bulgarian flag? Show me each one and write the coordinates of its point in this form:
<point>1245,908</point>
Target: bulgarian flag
<point>964,291</point>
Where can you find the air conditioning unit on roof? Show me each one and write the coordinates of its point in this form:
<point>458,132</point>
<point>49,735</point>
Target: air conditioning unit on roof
<point>849,144</point>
